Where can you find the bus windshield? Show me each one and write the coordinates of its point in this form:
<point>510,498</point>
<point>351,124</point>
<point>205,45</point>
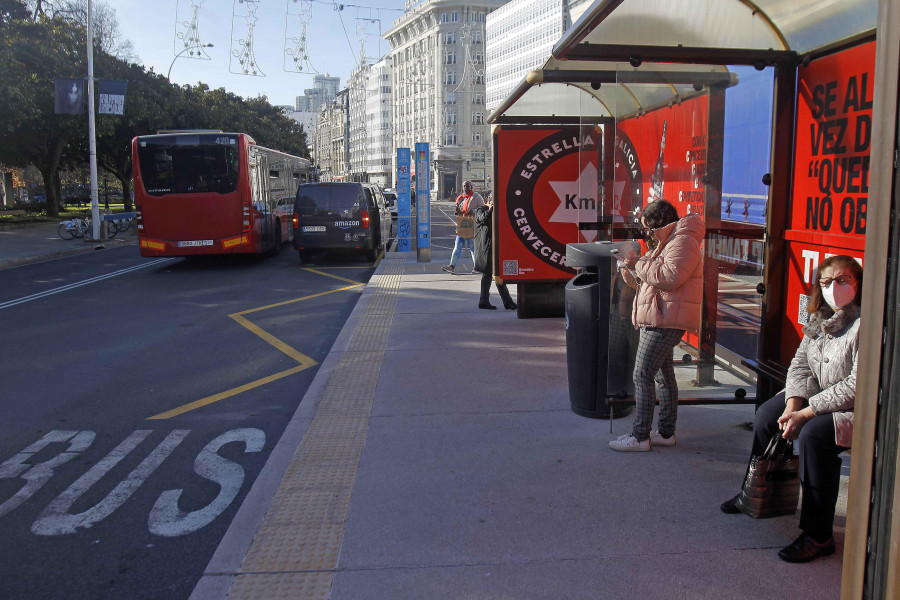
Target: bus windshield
<point>189,164</point>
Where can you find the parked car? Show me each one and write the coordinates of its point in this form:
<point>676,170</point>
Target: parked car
<point>390,198</point>
<point>340,216</point>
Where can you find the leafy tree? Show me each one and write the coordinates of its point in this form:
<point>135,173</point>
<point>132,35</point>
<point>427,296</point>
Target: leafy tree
<point>32,55</point>
<point>149,103</point>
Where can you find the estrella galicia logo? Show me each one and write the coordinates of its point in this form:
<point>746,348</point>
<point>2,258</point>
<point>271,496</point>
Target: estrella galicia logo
<point>520,192</point>
<point>628,177</point>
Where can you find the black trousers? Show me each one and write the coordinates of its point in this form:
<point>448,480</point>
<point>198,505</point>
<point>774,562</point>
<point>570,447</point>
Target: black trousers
<point>820,464</point>
<point>486,279</point>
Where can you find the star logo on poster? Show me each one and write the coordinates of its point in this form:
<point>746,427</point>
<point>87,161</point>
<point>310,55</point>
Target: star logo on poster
<point>575,198</point>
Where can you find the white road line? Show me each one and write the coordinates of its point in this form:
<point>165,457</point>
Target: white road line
<point>72,286</point>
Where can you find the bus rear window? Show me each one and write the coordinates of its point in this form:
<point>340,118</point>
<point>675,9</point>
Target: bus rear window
<point>188,169</point>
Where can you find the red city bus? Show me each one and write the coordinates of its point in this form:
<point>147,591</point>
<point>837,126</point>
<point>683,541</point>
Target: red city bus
<point>208,192</point>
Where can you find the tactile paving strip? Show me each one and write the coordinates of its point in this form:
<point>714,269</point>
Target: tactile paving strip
<point>296,549</point>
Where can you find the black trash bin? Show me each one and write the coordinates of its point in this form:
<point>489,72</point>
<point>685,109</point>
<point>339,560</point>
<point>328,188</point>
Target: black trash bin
<point>587,298</point>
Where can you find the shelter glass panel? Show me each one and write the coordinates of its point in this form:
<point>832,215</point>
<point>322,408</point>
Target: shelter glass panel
<point>669,137</point>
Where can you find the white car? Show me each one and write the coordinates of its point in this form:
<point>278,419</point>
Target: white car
<point>390,198</point>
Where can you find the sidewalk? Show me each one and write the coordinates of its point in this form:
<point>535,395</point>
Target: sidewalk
<point>27,244</point>
<point>435,456</point>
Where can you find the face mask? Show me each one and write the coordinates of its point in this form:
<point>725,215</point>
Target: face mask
<point>838,296</point>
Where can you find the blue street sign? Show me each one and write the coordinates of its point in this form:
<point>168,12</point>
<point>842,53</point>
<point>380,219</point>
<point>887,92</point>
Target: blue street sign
<point>404,222</point>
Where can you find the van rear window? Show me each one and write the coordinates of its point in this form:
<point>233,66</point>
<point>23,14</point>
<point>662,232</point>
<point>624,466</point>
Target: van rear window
<point>335,198</point>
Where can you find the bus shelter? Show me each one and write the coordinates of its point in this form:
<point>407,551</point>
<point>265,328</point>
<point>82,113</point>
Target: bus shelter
<point>776,121</point>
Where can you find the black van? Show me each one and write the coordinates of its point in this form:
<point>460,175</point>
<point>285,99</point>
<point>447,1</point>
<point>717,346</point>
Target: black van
<point>339,215</point>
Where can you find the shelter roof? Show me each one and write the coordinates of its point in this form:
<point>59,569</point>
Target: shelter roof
<point>623,57</point>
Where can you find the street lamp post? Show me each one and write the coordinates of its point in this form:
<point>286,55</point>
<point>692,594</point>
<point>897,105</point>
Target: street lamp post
<point>182,52</point>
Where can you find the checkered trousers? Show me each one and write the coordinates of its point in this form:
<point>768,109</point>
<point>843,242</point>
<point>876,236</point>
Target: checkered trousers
<point>654,362</point>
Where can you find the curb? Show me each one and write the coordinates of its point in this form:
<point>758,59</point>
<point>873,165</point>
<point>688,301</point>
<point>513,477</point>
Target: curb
<point>87,247</point>
<point>222,570</point>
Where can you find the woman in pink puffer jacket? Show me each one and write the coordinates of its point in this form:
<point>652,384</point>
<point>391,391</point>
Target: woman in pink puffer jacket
<point>669,283</point>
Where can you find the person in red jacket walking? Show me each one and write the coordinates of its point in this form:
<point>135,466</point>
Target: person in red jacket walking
<point>466,204</point>
<point>669,284</point>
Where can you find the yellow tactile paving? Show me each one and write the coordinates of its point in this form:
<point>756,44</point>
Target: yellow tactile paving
<point>296,549</point>
<point>280,586</point>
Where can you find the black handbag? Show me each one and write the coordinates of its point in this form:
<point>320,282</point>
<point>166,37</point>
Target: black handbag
<point>772,485</point>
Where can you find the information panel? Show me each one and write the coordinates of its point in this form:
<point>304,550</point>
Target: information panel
<point>423,204</point>
<point>404,221</point>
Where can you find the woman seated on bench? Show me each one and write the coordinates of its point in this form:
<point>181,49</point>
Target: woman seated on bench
<point>818,410</point>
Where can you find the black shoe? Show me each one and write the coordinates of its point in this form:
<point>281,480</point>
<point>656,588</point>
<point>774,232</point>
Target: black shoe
<point>731,506</point>
<point>805,549</point>
<point>511,306</point>
<point>487,305</point>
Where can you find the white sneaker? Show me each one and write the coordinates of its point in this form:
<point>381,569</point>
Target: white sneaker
<point>629,443</point>
<point>658,440</point>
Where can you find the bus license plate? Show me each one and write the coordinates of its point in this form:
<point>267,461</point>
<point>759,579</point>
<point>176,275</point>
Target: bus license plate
<point>314,228</point>
<point>189,243</point>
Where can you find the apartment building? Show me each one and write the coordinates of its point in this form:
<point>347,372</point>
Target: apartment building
<point>357,136</point>
<point>438,85</point>
<point>380,137</point>
<point>332,151</point>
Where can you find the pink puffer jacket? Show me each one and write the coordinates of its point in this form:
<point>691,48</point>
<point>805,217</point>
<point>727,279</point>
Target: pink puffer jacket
<point>671,289</point>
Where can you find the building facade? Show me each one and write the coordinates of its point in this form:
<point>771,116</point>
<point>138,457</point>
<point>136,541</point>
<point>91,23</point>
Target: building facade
<point>357,126</point>
<point>519,37</point>
<point>332,150</point>
<point>379,135</point>
<point>438,85</point>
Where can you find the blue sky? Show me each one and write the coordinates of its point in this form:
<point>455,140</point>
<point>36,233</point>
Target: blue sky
<point>151,27</point>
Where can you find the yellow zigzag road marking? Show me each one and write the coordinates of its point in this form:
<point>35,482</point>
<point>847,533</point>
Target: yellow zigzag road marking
<point>305,361</point>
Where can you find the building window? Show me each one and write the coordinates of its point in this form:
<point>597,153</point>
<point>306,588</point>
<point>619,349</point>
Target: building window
<point>449,138</point>
<point>449,37</point>
<point>478,98</point>
<point>478,58</point>
<point>449,17</point>
<point>450,78</point>
<point>477,137</point>
<point>478,78</point>
<point>451,97</point>
<point>450,118</point>
<point>478,118</point>
<point>478,156</point>
<point>450,58</point>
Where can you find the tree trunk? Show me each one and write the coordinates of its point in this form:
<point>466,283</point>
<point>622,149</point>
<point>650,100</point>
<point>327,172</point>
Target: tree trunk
<point>126,193</point>
<point>49,168</point>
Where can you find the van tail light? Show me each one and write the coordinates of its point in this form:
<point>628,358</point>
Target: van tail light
<point>246,222</point>
<point>139,218</point>
<point>295,221</point>
<point>365,219</point>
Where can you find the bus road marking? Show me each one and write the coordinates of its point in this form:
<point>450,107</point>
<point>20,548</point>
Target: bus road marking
<point>304,361</point>
<point>166,518</point>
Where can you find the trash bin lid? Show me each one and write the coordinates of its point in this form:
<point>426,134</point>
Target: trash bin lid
<point>590,254</point>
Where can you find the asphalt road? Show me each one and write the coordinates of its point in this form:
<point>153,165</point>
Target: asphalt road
<point>139,399</point>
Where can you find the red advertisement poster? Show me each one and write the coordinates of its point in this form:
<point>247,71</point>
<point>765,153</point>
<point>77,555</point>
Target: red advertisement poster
<point>831,173</point>
<point>547,184</point>
<point>662,155</point>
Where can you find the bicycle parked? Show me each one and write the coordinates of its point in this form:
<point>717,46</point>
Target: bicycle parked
<point>81,227</point>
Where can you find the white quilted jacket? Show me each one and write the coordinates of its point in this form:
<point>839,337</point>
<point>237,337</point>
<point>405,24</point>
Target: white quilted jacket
<point>823,370</point>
